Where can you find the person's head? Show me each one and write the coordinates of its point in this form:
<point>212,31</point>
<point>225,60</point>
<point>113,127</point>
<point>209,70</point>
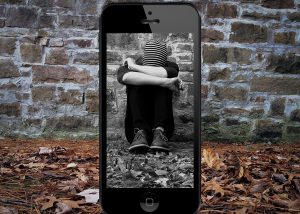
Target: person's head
<point>155,53</point>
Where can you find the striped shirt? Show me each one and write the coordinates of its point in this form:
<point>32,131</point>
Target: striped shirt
<point>155,53</point>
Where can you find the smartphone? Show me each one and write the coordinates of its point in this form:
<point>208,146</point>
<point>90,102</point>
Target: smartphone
<point>150,108</point>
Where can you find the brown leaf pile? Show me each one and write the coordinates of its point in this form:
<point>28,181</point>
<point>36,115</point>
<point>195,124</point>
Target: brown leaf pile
<point>38,176</point>
<point>257,178</point>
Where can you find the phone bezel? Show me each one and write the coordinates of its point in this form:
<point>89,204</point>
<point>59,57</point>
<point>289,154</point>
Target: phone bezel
<point>123,18</point>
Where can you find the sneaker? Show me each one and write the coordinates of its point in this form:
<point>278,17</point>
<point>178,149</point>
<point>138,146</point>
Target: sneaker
<point>139,143</point>
<point>159,142</point>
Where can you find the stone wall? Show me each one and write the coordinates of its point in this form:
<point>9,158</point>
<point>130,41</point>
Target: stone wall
<point>250,68</point>
<point>180,50</point>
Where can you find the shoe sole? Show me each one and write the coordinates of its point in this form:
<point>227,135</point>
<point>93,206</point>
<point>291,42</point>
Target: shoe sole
<point>139,148</point>
<point>159,148</point>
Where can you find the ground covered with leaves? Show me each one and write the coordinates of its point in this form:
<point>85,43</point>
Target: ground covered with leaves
<point>250,178</point>
<point>39,176</point>
<point>152,169</point>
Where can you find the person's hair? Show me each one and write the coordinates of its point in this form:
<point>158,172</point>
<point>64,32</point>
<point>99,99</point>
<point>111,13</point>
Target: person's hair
<point>155,53</point>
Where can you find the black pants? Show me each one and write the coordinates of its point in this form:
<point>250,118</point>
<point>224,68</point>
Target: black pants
<point>147,108</point>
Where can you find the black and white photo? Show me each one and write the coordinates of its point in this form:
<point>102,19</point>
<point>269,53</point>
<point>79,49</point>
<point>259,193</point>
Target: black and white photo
<point>149,110</point>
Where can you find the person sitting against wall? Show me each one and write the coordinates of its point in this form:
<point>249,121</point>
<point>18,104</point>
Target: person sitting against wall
<point>150,82</point>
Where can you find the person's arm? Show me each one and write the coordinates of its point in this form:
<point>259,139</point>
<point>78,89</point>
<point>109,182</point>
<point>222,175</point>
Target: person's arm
<point>120,73</point>
<point>128,77</point>
<point>169,71</point>
<point>136,78</point>
<point>150,70</point>
<point>172,69</point>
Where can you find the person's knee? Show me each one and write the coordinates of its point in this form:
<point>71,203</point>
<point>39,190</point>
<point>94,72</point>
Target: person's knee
<point>132,89</point>
<point>138,90</point>
<point>161,91</point>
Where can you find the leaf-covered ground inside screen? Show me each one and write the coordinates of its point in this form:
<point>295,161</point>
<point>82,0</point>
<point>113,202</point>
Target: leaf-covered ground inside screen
<point>152,169</point>
<point>38,176</point>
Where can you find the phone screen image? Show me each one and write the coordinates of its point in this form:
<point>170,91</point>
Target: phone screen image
<point>150,110</point>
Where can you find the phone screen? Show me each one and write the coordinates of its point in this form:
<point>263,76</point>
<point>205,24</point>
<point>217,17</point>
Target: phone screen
<point>150,117</point>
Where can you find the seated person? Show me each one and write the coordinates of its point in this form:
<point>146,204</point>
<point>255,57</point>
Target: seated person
<point>150,82</point>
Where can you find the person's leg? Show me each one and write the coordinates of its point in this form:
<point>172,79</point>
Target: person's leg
<point>163,110</point>
<point>163,120</point>
<point>129,129</point>
<point>140,106</point>
<point>137,126</point>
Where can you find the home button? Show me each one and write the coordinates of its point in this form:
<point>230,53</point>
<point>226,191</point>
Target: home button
<point>149,202</point>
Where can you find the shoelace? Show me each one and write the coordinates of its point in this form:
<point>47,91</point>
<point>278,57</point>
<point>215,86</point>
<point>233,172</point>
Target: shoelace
<point>162,135</point>
<point>138,135</point>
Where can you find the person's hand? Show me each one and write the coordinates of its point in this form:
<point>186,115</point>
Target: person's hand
<point>130,63</point>
<point>180,84</point>
<point>172,84</point>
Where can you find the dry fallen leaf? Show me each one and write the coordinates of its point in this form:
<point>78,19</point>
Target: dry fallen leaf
<point>279,178</point>
<point>189,183</point>
<point>45,150</point>
<point>279,203</point>
<point>258,188</point>
<point>239,187</point>
<point>48,202</point>
<point>96,178</point>
<point>62,208</point>
<point>246,175</point>
<point>295,205</point>
<point>121,165</point>
<point>93,169</point>
<point>4,170</point>
<point>52,166</point>
<point>162,181</point>
<point>136,173</point>
<point>71,203</point>
<point>241,172</point>
<point>212,159</point>
<point>243,210</point>
<point>296,184</point>
<point>233,163</point>
<point>82,176</point>
<point>72,165</point>
<point>161,172</point>
<point>214,186</point>
<point>246,201</point>
<point>7,210</point>
<point>71,185</point>
<point>91,195</point>
<point>35,165</point>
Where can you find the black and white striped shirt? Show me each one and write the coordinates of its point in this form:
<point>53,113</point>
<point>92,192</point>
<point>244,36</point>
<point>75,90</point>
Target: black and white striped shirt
<point>155,53</point>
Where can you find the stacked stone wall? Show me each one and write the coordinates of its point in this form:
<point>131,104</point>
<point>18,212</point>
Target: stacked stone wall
<point>250,69</point>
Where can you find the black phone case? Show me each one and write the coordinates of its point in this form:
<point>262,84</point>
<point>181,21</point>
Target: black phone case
<point>134,192</point>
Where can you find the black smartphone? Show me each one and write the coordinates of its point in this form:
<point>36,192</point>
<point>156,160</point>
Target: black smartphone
<point>150,108</point>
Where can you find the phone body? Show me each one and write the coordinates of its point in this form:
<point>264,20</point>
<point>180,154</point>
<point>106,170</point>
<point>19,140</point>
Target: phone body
<point>124,28</point>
